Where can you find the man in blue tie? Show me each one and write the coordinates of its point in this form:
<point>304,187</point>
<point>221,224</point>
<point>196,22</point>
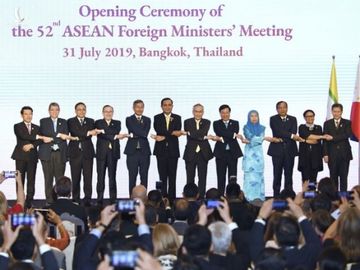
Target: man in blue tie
<point>227,150</point>
<point>53,155</point>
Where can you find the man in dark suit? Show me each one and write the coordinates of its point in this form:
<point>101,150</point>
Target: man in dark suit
<point>197,151</point>
<point>310,151</point>
<point>227,149</point>
<point>107,152</point>
<point>283,148</point>
<point>137,148</point>
<point>25,153</point>
<point>337,149</point>
<point>168,128</point>
<point>53,155</point>
<point>81,152</point>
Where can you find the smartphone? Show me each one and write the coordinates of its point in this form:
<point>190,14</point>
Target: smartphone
<point>124,258</point>
<point>9,174</point>
<point>126,205</point>
<point>212,204</point>
<point>346,194</point>
<point>311,186</point>
<point>309,194</point>
<point>280,205</point>
<point>44,212</point>
<point>22,219</point>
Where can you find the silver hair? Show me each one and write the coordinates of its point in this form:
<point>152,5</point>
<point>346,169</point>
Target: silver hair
<point>220,236</point>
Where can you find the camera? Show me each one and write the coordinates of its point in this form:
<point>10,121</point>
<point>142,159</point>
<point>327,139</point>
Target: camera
<point>126,205</point>
<point>346,194</point>
<point>280,205</point>
<point>212,204</point>
<point>309,194</point>
<point>123,258</point>
<point>22,219</point>
<point>9,174</point>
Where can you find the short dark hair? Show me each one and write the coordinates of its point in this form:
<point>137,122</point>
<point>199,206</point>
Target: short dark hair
<point>308,111</point>
<point>137,101</point>
<point>337,105</point>
<point>78,104</point>
<point>166,99</point>
<point>151,215</point>
<point>53,104</point>
<point>327,187</point>
<point>233,190</point>
<point>190,190</point>
<point>26,108</point>
<point>23,248</point>
<point>155,196</point>
<point>332,258</point>
<point>287,231</point>
<point>63,186</point>
<point>107,106</point>
<point>197,240</point>
<point>321,201</point>
<point>279,102</point>
<point>21,266</point>
<point>287,193</point>
<point>271,259</point>
<point>213,194</point>
<point>224,106</point>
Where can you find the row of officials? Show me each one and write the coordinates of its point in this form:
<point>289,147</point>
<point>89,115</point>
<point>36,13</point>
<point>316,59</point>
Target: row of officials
<point>57,141</point>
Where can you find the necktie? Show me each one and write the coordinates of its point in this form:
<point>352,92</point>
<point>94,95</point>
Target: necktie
<point>336,123</point>
<point>226,124</point>
<point>167,119</point>
<point>81,121</point>
<point>29,128</point>
<point>227,147</point>
<point>139,122</point>
<point>55,125</point>
<point>197,127</point>
<point>283,119</point>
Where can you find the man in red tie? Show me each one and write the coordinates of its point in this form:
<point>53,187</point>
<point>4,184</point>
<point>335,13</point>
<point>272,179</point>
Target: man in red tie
<point>25,153</point>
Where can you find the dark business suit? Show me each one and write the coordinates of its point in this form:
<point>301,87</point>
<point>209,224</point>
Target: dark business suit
<point>167,152</point>
<point>338,150</point>
<point>310,155</point>
<point>226,152</point>
<point>138,149</point>
<point>81,154</point>
<point>107,156</point>
<point>283,153</point>
<point>52,155</point>
<point>26,162</point>
<point>197,159</point>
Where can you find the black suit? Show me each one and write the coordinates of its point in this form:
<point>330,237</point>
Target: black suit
<point>52,155</point>
<point>305,256</point>
<point>226,152</point>
<point>197,159</point>
<point>81,154</point>
<point>26,162</point>
<point>138,149</point>
<point>310,155</point>
<point>283,153</point>
<point>107,155</point>
<point>167,152</point>
<point>338,150</point>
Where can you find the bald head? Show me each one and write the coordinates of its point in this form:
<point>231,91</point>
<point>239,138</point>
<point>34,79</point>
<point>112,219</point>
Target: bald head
<point>139,192</point>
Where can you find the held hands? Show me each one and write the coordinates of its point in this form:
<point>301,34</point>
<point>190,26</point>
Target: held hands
<point>122,136</point>
<point>327,137</point>
<point>178,133</point>
<point>28,147</point>
<point>157,138</point>
<point>297,138</point>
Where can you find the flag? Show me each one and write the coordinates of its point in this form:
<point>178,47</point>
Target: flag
<point>333,92</point>
<point>355,108</point>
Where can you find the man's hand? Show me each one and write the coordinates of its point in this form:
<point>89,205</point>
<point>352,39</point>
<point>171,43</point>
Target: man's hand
<point>294,208</point>
<point>92,132</point>
<point>224,211</point>
<point>328,137</point>
<point>28,147</point>
<point>239,136</point>
<point>9,236</point>
<point>178,133</point>
<point>146,261</point>
<point>121,136</point>
<point>203,213</point>
<point>245,141</point>
<point>140,212</point>
<point>266,209</point>
<point>108,214</point>
<point>47,139</point>
<point>38,229</point>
